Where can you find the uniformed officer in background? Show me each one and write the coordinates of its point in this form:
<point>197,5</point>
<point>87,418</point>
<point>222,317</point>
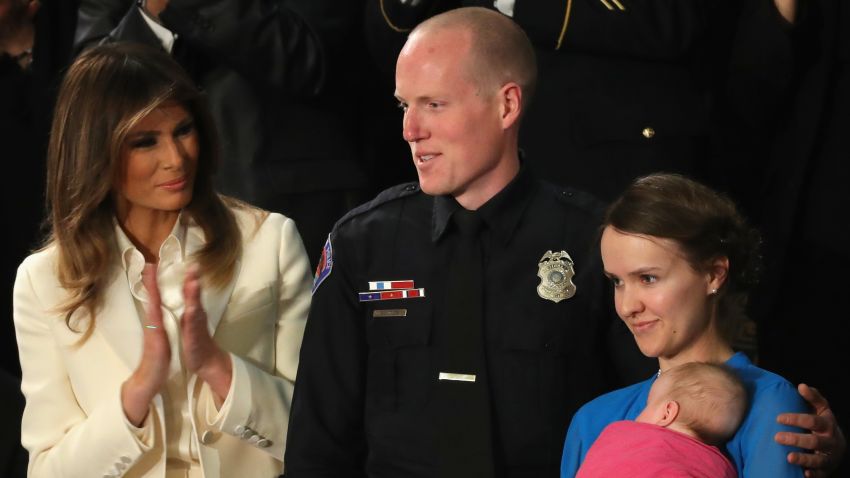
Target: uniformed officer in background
<point>389,383</point>
<point>458,323</point>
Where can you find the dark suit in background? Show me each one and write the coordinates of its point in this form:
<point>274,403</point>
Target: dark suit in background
<point>282,80</point>
<point>26,109</point>
<point>13,457</point>
<point>805,216</point>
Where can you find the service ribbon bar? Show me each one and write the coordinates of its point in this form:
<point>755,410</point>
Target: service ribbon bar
<point>391,294</point>
<point>391,284</point>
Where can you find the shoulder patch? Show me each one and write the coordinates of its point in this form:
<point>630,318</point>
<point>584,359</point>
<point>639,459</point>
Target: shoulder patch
<point>326,265</point>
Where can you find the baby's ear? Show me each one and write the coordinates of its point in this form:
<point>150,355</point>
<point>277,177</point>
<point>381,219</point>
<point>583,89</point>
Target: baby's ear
<point>671,411</point>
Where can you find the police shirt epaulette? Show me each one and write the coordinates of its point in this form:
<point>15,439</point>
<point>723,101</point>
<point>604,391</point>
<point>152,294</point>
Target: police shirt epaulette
<point>387,195</point>
<point>577,199</point>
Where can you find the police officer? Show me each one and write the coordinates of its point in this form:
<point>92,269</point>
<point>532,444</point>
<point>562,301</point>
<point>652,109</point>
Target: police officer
<point>457,324</point>
<point>430,354</point>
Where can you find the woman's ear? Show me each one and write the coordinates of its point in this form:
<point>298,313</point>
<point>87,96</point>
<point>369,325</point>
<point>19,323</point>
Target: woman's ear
<point>716,274</point>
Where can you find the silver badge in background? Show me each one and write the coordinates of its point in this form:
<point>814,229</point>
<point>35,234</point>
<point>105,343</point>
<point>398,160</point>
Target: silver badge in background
<point>555,270</point>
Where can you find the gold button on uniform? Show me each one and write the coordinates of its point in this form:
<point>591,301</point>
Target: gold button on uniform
<point>648,133</point>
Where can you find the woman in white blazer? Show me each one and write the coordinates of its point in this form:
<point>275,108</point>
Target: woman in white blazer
<point>159,326</point>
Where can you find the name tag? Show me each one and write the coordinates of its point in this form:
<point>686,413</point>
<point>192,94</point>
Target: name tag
<point>389,313</point>
<point>458,377</point>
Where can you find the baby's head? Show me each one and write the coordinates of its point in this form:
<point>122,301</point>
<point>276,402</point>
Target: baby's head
<point>706,401</point>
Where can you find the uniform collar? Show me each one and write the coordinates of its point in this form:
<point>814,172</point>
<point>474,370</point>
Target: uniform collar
<point>501,213</point>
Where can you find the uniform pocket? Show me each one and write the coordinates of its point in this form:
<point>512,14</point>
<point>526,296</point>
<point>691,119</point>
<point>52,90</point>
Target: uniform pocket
<point>398,333</point>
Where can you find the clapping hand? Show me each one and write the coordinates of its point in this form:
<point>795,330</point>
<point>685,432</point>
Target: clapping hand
<point>152,372</point>
<point>201,355</point>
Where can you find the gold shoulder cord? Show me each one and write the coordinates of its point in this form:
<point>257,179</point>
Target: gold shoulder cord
<point>387,19</point>
<point>563,28</point>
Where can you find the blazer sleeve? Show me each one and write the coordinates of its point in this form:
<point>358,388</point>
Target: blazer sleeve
<point>62,439</point>
<point>258,403</point>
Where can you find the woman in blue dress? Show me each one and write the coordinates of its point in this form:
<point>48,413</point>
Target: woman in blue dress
<point>682,261</point>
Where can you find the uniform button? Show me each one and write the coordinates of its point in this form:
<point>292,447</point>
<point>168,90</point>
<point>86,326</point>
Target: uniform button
<point>207,437</point>
<point>254,439</point>
<point>120,466</point>
<point>264,443</point>
<point>247,433</point>
<point>126,459</point>
<point>410,187</point>
<point>648,133</point>
<point>239,429</point>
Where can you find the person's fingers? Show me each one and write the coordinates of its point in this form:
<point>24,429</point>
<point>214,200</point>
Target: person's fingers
<point>814,463</point>
<point>153,314</point>
<point>815,474</point>
<point>807,421</point>
<point>193,321</point>
<point>192,287</point>
<point>198,345</point>
<point>814,397</point>
<point>806,441</point>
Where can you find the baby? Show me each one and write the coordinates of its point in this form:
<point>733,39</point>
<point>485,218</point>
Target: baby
<point>691,409</point>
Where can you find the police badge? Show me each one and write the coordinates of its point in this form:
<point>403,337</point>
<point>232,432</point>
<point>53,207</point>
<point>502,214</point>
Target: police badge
<point>555,270</point>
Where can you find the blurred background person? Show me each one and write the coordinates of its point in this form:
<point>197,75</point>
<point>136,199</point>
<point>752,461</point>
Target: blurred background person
<point>36,37</point>
<point>804,197</point>
<point>159,327</point>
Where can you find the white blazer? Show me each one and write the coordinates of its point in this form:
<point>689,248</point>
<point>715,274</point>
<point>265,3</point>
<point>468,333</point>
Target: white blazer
<point>73,423</point>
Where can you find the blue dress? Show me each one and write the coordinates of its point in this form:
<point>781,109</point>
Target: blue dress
<point>752,449</point>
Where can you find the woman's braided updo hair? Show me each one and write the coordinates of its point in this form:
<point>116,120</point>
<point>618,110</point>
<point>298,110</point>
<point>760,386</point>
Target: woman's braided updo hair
<point>706,225</point>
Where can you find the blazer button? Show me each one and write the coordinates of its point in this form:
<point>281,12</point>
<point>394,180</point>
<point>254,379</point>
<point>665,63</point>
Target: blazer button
<point>648,133</point>
<point>254,439</point>
<point>264,443</point>
<point>239,429</point>
<point>247,433</point>
<point>207,437</point>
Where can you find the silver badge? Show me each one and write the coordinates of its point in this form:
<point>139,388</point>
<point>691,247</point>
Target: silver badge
<point>555,270</point>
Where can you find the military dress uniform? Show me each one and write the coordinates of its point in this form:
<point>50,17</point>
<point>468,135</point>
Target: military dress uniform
<point>367,377</point>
